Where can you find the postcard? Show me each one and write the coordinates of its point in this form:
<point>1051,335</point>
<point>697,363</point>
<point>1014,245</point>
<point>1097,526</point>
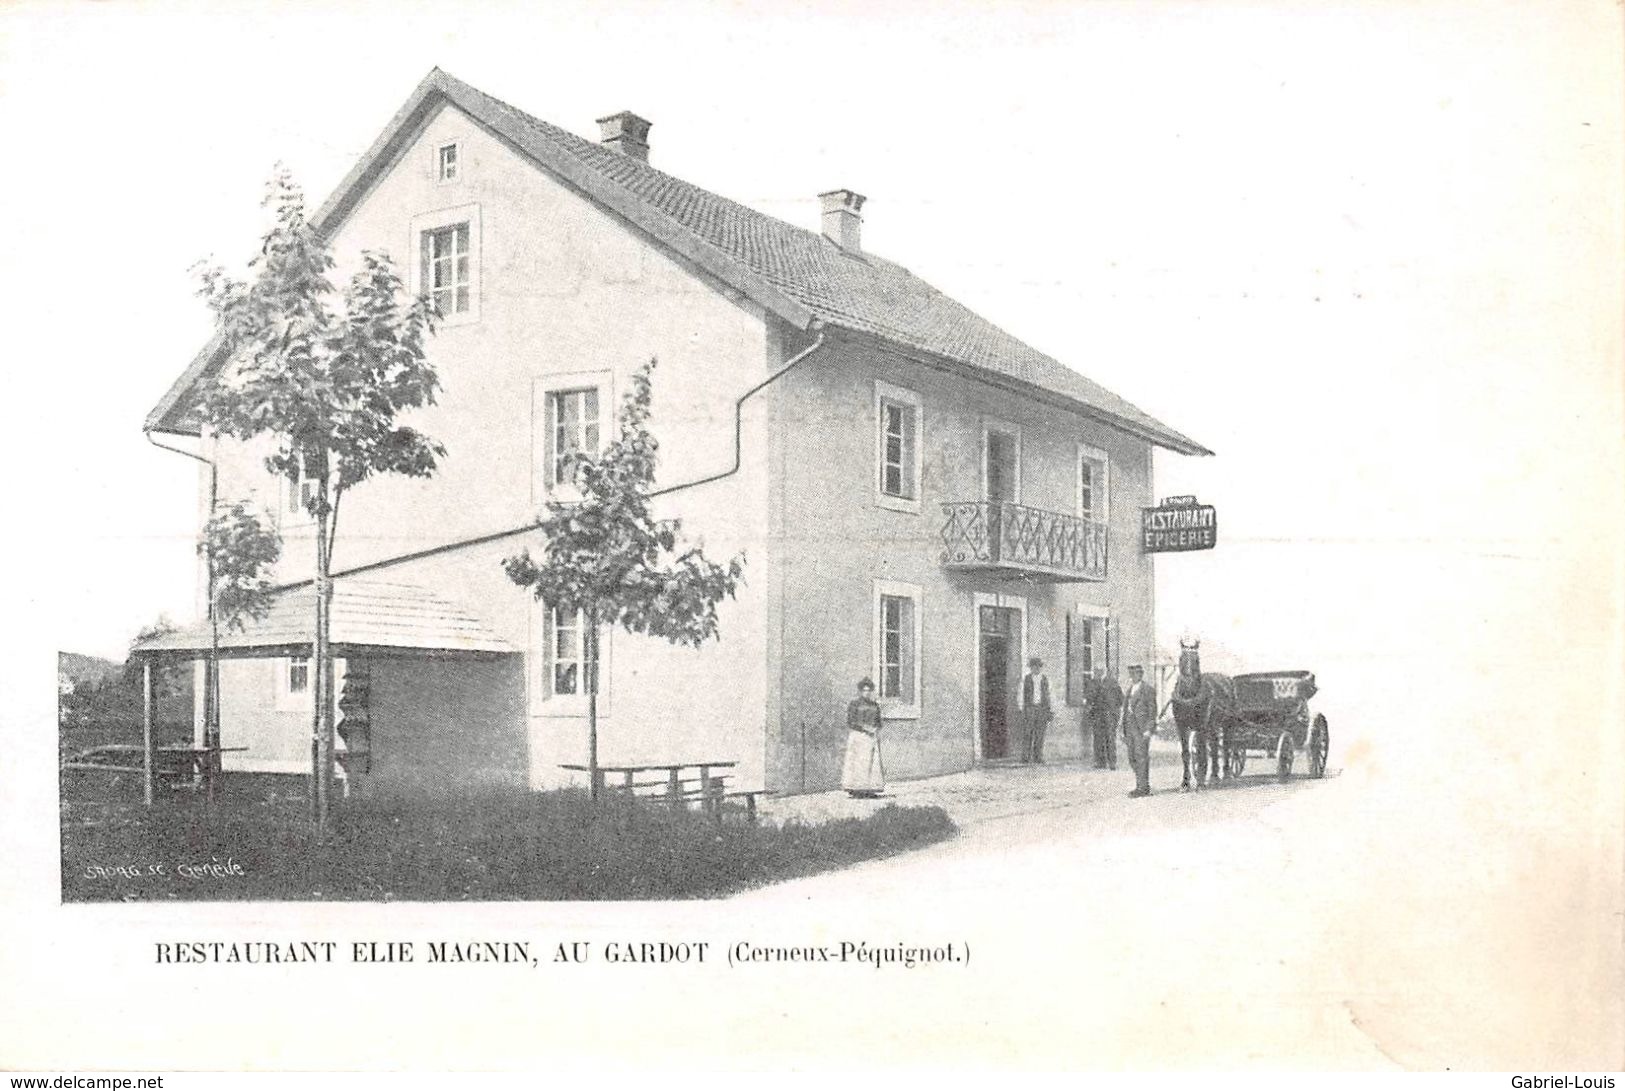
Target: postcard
<point>1053,536</point>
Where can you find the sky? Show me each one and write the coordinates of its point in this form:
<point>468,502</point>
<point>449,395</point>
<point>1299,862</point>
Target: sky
<point>1366,252</point>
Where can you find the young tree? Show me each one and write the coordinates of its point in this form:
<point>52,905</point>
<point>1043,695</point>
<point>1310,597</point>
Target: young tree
<point>240,549</point>
<point>243,548</point>
<point>327,386</point>
<point>607,558</point>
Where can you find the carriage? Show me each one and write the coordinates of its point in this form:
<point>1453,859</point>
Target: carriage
<point>1271,719</point>
<point>1222,719</point>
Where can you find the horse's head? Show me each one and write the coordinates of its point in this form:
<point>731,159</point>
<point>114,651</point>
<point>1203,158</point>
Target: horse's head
<point>1190,658</point>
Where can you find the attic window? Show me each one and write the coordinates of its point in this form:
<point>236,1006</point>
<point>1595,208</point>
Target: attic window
<point>447,163</point>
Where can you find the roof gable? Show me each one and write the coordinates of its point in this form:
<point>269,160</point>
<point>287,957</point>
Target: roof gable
<point>795,274</point>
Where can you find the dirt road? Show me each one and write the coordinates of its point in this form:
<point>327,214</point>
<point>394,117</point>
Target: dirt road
<point>1184,929</point>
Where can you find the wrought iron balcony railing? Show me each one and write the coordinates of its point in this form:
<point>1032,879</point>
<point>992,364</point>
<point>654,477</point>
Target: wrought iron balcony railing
<point>993,535</point>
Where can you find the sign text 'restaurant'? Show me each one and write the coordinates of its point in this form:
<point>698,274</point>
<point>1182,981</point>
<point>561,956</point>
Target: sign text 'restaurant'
<point>1175,529</point>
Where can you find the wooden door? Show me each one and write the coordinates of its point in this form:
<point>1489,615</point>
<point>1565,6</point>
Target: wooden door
<point>996,657</point>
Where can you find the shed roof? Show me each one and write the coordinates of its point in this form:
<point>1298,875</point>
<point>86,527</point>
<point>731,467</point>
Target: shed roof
<point>367,614</point>
<point>797,274</point>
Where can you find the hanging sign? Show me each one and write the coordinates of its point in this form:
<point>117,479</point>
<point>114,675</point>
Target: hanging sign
<point>1177,525</point>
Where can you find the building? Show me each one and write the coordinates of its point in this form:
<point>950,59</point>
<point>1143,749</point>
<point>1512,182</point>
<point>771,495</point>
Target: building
<point>921,497</point>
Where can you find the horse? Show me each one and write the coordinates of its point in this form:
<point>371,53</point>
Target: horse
<point>1203,705</point>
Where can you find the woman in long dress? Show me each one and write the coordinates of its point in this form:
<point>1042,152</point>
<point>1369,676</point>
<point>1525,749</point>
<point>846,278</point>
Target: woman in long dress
<point>863,775</point>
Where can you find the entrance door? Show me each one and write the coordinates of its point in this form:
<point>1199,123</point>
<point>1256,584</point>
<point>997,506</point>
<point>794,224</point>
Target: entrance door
<point>997,679</point>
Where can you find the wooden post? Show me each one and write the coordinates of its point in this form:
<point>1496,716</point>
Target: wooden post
<point>211,718</point>
<point>710,794</point>
<point>590,645</point>
<point>674,787</point>
<point>146,731</point>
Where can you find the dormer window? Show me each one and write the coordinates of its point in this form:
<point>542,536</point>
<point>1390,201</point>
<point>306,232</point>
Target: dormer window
<point>448,163</point>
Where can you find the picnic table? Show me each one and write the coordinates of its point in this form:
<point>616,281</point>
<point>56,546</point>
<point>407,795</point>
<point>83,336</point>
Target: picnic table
<point>677,783</point>
<point>170,764</point>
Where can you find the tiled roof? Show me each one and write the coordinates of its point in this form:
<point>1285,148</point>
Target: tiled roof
<point>366,613</point>
<point>796,273</point>
<point>861,292</point>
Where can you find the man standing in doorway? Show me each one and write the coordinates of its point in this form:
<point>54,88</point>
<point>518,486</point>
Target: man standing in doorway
<point>1139,719</point>
<point>1105,706</point>
<point>1035,709</point>
<point>1086,719</point>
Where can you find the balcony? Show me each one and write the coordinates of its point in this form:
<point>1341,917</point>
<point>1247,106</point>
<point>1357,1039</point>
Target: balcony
<point>1016,541</point>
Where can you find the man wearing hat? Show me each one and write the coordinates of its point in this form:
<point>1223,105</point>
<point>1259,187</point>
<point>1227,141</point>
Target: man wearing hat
<point>1105,707</point>
<point>1035,709</point>
<point>1139,720</point>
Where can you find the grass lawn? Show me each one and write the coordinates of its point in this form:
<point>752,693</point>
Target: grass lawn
<point>493,846</point>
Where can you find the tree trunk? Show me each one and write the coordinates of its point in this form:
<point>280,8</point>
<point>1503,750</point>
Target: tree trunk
<point>146,732</point>
<point>211,698</point>
<point>590,643</point>
<point>211,715</point>
<point>211,672</point>
<point>322,680</point>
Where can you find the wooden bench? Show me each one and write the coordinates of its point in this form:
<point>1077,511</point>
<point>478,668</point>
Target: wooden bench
<point>714,803</point>
<point>677,784</point>
<point>178,767</point>
<point>749,796</point>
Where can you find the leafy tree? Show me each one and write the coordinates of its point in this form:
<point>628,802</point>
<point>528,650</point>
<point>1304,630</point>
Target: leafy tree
<point>607,557</point>
<point>240,549</point>
<point>327,385</point>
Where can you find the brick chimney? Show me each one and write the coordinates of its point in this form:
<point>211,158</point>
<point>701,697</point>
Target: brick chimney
<point>843,224</point>
<point>627,133</point>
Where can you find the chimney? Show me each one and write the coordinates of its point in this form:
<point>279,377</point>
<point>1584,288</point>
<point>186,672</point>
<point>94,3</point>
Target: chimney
<point>842,222</point>
<point>627,133</point>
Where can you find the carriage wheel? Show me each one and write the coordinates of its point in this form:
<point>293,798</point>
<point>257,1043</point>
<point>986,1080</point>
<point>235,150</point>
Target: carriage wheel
<point>1320,745</point>
<point>1283,756</point>
<point>1236,760</point>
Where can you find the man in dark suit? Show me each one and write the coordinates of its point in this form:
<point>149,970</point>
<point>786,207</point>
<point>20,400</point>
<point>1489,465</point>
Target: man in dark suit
<point>1035,709</point>
<point>1086,718</point>
<point>1105,706</point>
<point>1139,720</point>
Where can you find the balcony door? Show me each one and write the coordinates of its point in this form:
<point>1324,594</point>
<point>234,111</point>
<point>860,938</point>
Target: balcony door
<point>1001,462</point>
